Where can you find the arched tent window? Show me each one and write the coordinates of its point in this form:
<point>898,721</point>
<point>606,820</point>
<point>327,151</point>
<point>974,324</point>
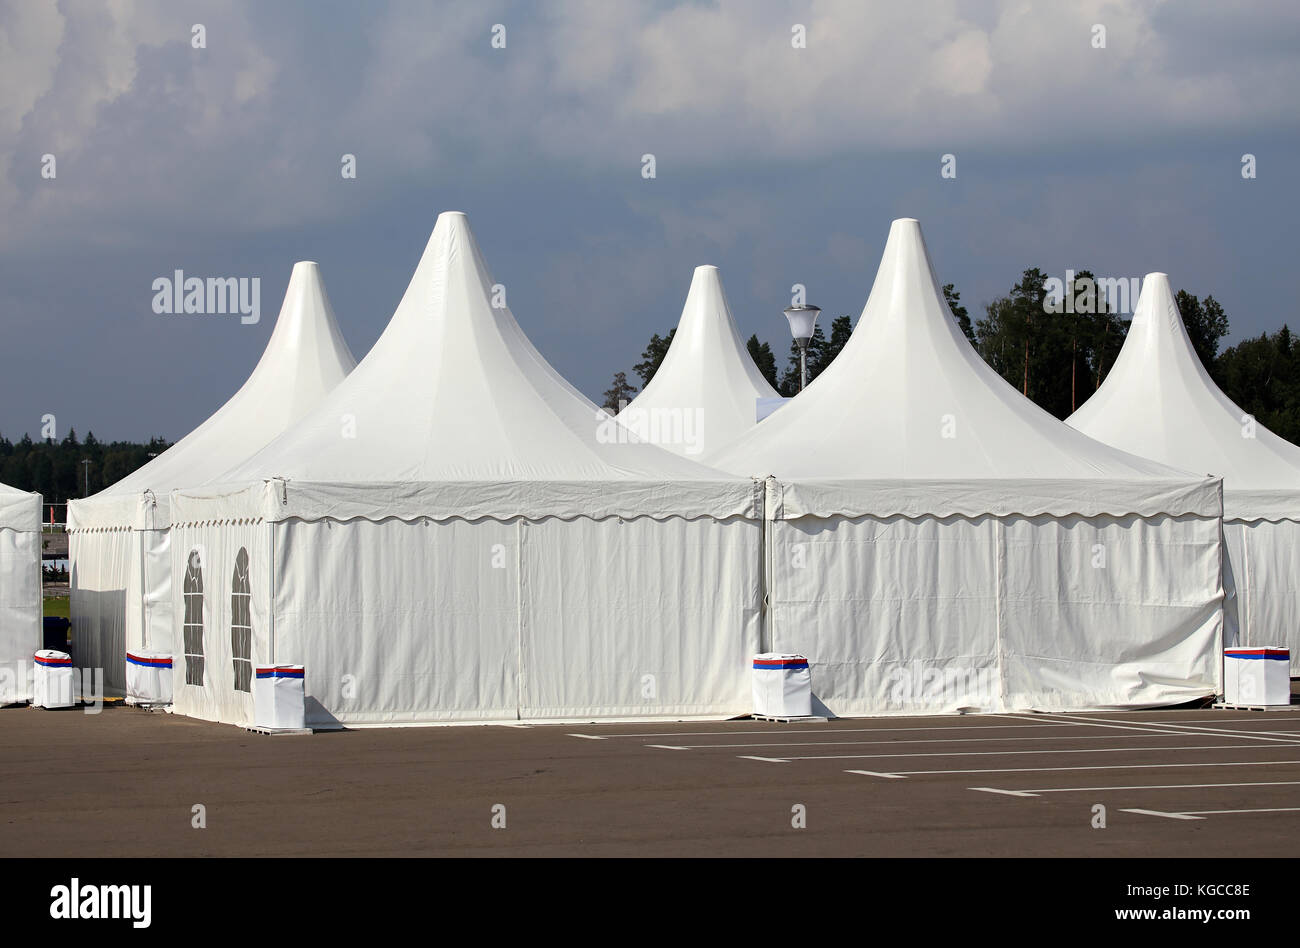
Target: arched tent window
<point>241,623</point>
<point>194,619</point>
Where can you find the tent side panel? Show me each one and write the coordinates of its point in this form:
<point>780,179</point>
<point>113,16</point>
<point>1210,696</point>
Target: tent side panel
<point>640,617</point>
<point>1266,563</point>
<point>20,610</point>
<point>895,615</point>
<point>400,622</point>
<point>155,627</point>
<point>1111,611</point>
<point>209,619</point>
<point>101,565</point>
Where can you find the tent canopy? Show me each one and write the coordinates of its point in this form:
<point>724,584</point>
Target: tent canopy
<point>704,393</point>
<point>1159,400</point>
<point>454,413</point>
<point>910,420</point>
<point>19,509</point>
<point>305,357</point>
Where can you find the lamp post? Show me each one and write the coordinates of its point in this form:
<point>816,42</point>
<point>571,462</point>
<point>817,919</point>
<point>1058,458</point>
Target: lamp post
<point>85,466</point>
<point>803,322</point>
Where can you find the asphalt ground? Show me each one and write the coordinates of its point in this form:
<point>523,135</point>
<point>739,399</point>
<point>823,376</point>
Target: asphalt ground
<point>1177,783</point>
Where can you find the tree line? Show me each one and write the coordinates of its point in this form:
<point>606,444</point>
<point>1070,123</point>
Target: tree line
<point>1056,348</point>
<point>55,468</point>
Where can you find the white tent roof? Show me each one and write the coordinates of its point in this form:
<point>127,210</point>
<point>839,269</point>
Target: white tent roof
<point>1159,401</point>
<point>909,419</point>
<point>19,509</point>
<point>455,413</point>
<point>705,391</point>
<point>304,359</point>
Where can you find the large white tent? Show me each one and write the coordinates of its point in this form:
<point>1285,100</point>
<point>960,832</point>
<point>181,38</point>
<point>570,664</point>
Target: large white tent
<point>457,534</point>
<point>706,390</point>
<point>20,589</point>
<point>935,541</point>
<point>119,539</point>
<point>1159,401</point>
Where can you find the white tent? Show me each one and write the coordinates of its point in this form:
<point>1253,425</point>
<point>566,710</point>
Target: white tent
<point>705,391</point>
<point>119,538</point>
<point>1158,401</point>
<point>20,590</point>
<point>936,541</point>
<point>456,534</point>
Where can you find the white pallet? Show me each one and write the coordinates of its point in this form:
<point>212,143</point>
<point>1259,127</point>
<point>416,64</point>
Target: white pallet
<point>801,719</point>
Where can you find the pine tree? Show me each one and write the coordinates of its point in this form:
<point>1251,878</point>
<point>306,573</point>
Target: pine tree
<point>619,394</point>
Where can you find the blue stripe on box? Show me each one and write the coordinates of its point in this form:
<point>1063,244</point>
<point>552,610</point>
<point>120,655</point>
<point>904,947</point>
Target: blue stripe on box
<point>765,666</point>
<point>1275,656</point>
<point>279,673</point>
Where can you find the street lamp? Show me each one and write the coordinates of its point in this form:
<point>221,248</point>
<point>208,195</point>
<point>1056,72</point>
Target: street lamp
<point>85,464</point>
<point>803,321</point>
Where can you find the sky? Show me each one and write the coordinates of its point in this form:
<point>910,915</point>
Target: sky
<point>781,162</point>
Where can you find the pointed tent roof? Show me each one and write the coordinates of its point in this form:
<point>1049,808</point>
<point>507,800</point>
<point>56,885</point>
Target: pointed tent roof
<point>909,419</point>
<point>454,412</point>
<point>705,391</point>
<point>304,359</point>
<point>1159,401</point>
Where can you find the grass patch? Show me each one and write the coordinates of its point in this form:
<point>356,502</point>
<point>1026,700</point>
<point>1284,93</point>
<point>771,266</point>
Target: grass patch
<point>57,606</point>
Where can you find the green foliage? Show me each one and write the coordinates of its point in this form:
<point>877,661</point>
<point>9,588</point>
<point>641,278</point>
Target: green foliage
<point>1057,359</point>
<point>55,469</point>
<point>619,394</point>
<point>1206,324</point>
<point>821,352</point>
<point>953,299</point>
<point>1262,375</point>
<point>764,358</point>
<point>653,356</point>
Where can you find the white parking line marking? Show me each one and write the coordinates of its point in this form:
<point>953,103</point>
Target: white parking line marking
<point>668,747</point>
<point>1009,753</point>
<point>945,740</point>
<point>1010,793</point>
<point>874,773</point>
<point>768,760</point>
<point>1276,809</point>
<point>1045,770</point>
<point>1164,786</point>
<point>588,737</point>
<point>808,729</point>
<point>1185,728</point>
<point>1169,816</point>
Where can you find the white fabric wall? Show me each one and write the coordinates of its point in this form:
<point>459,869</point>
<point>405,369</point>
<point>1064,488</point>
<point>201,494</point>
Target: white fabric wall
<point>1264,563</point>
<point>100,568</point>
<point>939,614</point>
<point>1144,629</point>
<point>442,621</point>
<point>640,617</point>
<point>120,597</point>
<point>417,615</point>
<point>20,610</point>
<point>153,586</point>
<point>217,699</point>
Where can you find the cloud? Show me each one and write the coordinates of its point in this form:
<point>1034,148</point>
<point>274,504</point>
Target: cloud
<point>251,129</point>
